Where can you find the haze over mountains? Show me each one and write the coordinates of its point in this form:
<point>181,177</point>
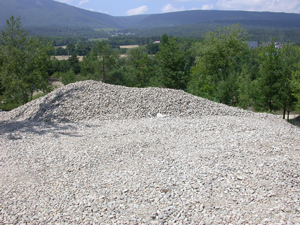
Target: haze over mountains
<point>52,13</point>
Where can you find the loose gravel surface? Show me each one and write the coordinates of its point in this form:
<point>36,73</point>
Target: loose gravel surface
<point>93,153</point>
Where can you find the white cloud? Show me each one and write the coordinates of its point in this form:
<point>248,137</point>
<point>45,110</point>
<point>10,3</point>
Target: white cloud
<point>261,5</point>
<point>82,2</point>
<point>137,11</point>
<point>207,7</point>
<point>171,8</point>
<point>106,12</point>
<point>65,1</point>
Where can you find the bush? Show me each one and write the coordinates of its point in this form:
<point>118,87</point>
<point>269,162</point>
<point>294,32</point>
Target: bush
<point>68,77</point>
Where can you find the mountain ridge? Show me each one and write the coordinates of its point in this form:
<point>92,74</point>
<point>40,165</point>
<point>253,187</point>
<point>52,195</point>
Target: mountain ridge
<point>201,16</point>
<point>52,13</point>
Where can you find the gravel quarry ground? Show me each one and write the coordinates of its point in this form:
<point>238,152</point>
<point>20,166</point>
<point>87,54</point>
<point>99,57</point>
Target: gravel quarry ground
<point>94,153</point>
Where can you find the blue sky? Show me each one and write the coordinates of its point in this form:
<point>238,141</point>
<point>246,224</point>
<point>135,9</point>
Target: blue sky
<point>135,7</point>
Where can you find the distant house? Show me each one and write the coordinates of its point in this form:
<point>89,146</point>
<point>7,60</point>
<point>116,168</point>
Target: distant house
<point>253,44</point>
<point>278,45</point>
<point>156,42</point>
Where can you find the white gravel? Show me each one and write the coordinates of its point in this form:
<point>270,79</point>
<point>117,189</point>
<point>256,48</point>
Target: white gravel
<point>166,161</point>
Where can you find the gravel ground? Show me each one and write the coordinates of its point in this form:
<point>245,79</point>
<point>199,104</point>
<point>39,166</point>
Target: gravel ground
<point>145,156</point>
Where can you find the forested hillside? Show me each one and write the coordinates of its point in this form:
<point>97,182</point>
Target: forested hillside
<point>283,20</point>
<point>257,33</point>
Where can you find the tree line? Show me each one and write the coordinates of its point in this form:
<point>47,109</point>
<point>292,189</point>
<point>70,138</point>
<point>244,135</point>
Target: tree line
<point>221,67</point>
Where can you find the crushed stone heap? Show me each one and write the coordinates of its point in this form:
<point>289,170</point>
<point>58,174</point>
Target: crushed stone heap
<point>96,100</point>
<point>122,163</point>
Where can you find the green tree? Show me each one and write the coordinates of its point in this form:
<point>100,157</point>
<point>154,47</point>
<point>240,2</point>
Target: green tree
<point>89,65</point>
<point>289,59</point>
<point>68,77</point>
<point>295,82</point>
<point>60,51</point>
<point>64,66</point>
<point>153,48</point>
<point>100,63</point>
<point>70,48</point>
<point>24,63</point>
<point>271,74</point>
<point>276,70</point>
<point>138,68</point>
<point>74,63</point>
<point>107,61</point>
<point>227,90</point>
<point>201,83</point>
<point>219,60</point>
<point>82,49</point>
<point>171,62</point>
<point>245,88</point>
<point>248,88</point>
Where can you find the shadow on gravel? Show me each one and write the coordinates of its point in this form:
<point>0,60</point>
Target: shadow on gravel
<point>49,105</point>
<point>14,129</point>
<point>295,121</point>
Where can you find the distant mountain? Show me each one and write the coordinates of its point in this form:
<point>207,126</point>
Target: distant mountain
<point>51,13</point>
<point>217,16</point>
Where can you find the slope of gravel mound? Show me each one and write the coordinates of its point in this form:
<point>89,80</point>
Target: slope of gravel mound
<point>210,170</point>
<point>121,160</point>
<point>96,100</point>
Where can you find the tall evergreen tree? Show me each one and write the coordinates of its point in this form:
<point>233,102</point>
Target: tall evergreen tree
<point>74,63</point>
<point>270,75</point>
<point>295,82</point>
<point>24,63</point>
<point>107,61</point>
<point>89,65</point>
<point>172,61</point>
<point>138,68</point>
<point>288,61</point>
<point>70,48</point>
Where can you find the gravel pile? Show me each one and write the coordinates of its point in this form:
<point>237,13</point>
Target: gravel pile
<point>96,100</point>
<point>178,160</point>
